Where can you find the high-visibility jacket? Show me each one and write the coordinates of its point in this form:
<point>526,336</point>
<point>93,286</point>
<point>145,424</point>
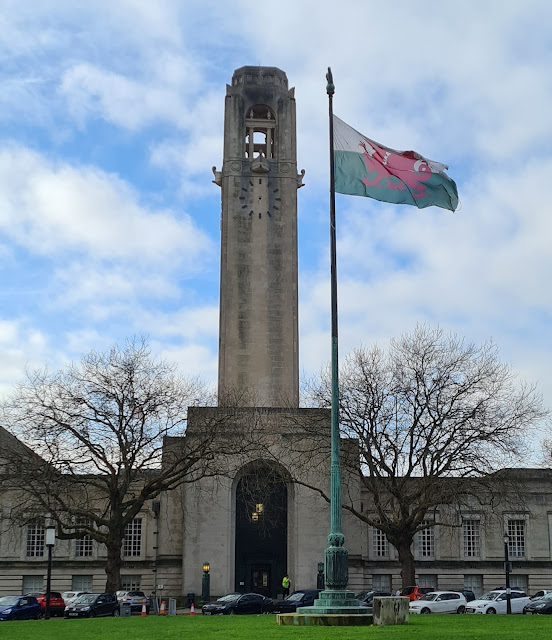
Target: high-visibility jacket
<point>285,583</point>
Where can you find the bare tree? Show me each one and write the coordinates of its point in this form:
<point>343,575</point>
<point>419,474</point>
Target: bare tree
<point>434,417</point>
<point>102,437</point>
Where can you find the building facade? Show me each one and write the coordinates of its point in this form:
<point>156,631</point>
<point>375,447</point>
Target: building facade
<point>254,525</point>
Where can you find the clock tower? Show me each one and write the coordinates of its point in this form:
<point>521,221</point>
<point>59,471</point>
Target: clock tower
<point>258,336</point>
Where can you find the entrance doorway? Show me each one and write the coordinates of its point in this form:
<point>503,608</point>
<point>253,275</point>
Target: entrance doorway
<point>260,579</point>
<point>261,531</point>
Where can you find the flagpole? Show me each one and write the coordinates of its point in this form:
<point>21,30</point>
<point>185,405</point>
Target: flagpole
<point>335,555</point>
<point>335,599</point>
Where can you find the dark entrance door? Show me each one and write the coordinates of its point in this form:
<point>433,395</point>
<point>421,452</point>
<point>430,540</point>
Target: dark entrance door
<point>261,532</point>
<point>260,579</point>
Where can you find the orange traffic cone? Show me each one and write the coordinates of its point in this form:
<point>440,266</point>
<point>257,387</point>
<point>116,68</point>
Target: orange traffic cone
<point>162,609</point>
<point>192,610</point>
<point>144,610</point>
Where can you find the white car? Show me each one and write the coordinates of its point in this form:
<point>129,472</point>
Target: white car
<point>495,602</point>
<point>439,602</point>
<point>70,596</point>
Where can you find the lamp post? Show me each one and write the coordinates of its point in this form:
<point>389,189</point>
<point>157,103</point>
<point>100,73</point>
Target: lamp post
<point>320,576</point>
<point>206,583</point>
<point>507,569</point>
<point>50,542</point>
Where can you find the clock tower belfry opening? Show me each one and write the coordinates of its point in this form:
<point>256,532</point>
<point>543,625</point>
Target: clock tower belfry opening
<point>260,128</point>
<point>258,337</point>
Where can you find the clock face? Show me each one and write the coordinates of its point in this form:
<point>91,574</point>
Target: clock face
<point>260,197</point>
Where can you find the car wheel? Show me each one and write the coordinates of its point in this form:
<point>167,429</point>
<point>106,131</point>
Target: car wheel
<point>490,610</point>
<point>461,609</point>
<point>425,610</point>
<point>232,612</point>
<point>116,613</point>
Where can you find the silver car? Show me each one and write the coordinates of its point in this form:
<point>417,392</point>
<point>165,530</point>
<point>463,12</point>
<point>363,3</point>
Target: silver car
<point>70,596</point>
<point>136,599</point>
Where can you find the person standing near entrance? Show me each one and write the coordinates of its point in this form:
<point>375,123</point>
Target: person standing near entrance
<point>286,582</point>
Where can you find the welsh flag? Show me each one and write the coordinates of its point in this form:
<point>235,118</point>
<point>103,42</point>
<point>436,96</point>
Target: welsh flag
<point>366,168</point>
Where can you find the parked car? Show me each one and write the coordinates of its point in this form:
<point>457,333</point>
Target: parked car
<point>71,596</point>
<point>414,593</point>
<point>92,605</point>
<point>539,606</point>
<point>439,602</point>
<point>57,604</point>
<point>300,598</point>
<point>366,598</point>
<point>540,594</point>
<point>19,608</point>
<point>467,593</point>
<point>495,602</point>
<point>136,599</point>
<point>238,603</point>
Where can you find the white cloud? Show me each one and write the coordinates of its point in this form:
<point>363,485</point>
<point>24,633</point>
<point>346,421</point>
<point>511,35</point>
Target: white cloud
<point>21,346</point>
<point>130,104</point>
<point>49,207</point>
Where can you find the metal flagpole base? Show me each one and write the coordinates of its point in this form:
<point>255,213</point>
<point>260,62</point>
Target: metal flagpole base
<point>335,599</point>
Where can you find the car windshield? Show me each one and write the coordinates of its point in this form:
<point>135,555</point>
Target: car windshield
<point>293,597</point>
<point>86,598</point>
<point>230,597</point>
<point>8,600</point>
<point>546,596</point>
<point>428,596</point>
<point>490,595</point>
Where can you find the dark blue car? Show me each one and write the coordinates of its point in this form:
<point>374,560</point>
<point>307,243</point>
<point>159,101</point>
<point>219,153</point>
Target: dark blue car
<point>301,598</point>
<point>19,608</point>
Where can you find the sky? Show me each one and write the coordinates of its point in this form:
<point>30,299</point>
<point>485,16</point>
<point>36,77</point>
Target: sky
<point>111,117</point>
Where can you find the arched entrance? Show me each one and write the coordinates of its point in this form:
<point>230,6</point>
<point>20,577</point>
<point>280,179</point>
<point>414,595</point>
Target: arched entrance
<point>261,530</point>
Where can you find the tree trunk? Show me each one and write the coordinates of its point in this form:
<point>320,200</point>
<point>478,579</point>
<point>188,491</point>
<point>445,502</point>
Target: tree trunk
<point>406,558</point>
<point>113,565</point>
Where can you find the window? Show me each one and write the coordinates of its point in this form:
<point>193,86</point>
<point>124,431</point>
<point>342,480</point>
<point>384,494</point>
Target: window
<point>130,583</point>
<point>472,538</point>
<point>427,580</point>
<point>35,540</point>
<point>474,583</point>
<point>81,583</point>
<point>516,542</point>
<point>132,544</point>
<point>518,582</point>
<point>426,542</point>
<point>381,582</point>
<point>380,546</point>
<point>32,584</point>
<point>83,546</point>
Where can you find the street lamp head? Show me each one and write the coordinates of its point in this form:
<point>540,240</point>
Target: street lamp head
<point>506,538</point>
<point>206,567</point>
<point>50,536</point>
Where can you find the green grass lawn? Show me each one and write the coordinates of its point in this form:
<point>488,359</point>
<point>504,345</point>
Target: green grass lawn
<point>435,627</point>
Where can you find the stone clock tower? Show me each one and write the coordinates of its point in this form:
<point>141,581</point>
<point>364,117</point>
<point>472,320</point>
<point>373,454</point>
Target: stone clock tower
<point>258,340</point>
